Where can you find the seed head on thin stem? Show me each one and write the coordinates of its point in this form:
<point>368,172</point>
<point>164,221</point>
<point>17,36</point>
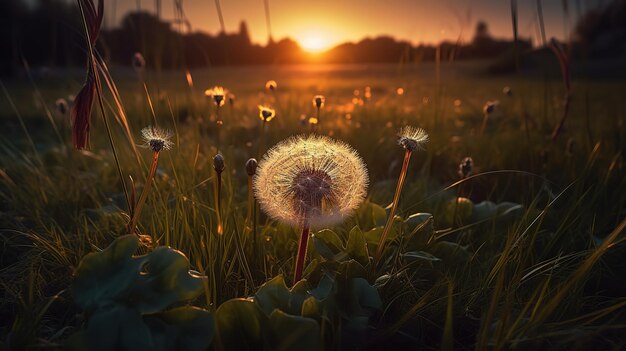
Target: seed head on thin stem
<point>157,139</point>
<point>412,138</point>
<point>266,114</point>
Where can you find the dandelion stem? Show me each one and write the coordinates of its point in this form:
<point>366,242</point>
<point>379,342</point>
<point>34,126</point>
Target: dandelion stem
<point>394,206</point>
<point>484,124</point>
<point>304,240</point>
<point>218,122</point>
<point>144,193</point>
<point>218,197</point>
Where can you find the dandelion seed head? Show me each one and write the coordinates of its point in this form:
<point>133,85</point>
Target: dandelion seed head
<point>157,139</point>
<point>271,85</point>
<point>412,138</point>
<point>466,167</point>
<point>266,113</point>
<point>217,93</point>
<point>318,101</point>
<point>310,179</point>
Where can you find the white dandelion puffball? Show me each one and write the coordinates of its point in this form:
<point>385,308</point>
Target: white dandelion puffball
<point>310,180</point>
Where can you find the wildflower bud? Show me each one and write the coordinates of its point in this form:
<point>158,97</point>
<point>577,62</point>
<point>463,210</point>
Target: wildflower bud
<point>490,106</point>
<point>271,85</point>
<point>61,106</point>
<point>318,101</point>
<point>251,167</point>
<point>218,163</point>
<point>466,167</point>
<point>138,61</point>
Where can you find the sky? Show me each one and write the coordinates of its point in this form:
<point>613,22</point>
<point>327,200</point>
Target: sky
<point>321,24</point>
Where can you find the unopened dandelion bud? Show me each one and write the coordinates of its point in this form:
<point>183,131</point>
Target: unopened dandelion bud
<point>61,106</point>
<point>466,167</point>
<point>218,163</point>
<point>318,101</point>
<point>251,166</point>
<point>271,85</point>
<point>138,62</point>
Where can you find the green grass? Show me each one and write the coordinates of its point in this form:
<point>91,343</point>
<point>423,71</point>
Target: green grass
<point>550,277</point>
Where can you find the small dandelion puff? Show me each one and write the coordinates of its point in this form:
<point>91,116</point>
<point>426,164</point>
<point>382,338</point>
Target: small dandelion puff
<point>138,62</point>
<point>490,106</point>
<point>318,101</point>
<point>157,139</point>
<point>400,91</point>
<point>466,167</point>
<point>61,106</point>
<point>412,138</point>
<point>310,180</point>
<point>507,91</point>
<point>217,93</point>
<point>313,121</point>
<point>457,102</point>
<point>271,85</point>
<point>266,113</point>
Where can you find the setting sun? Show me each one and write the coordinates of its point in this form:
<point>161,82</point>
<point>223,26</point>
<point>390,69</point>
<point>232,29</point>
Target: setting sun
<point>313,40</point>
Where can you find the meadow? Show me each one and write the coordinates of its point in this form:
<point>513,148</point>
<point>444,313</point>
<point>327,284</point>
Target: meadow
<point>526,250</point>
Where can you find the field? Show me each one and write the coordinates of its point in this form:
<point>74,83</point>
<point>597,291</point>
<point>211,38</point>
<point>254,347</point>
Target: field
<point>526,251</point>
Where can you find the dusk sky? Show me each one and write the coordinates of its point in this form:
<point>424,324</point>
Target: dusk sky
<point>320,24</point>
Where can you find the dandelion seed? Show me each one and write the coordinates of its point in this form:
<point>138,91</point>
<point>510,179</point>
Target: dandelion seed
<point>217,93</point>
<point>310,181</point>
<point>466,167</point>
<point>157,139</point>
<point>412,138</point>
<point>271,85</point>
<point>266,113</point>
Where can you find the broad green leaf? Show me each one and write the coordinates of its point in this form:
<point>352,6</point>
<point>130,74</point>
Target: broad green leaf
<point>167,279</point>
<point>106,275</point>
<point>182,328</point>
<point>274,294</point>
<point>294,332</point>
<point>357,246</point>
<point>239,325</point>
<point>328,245</point>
